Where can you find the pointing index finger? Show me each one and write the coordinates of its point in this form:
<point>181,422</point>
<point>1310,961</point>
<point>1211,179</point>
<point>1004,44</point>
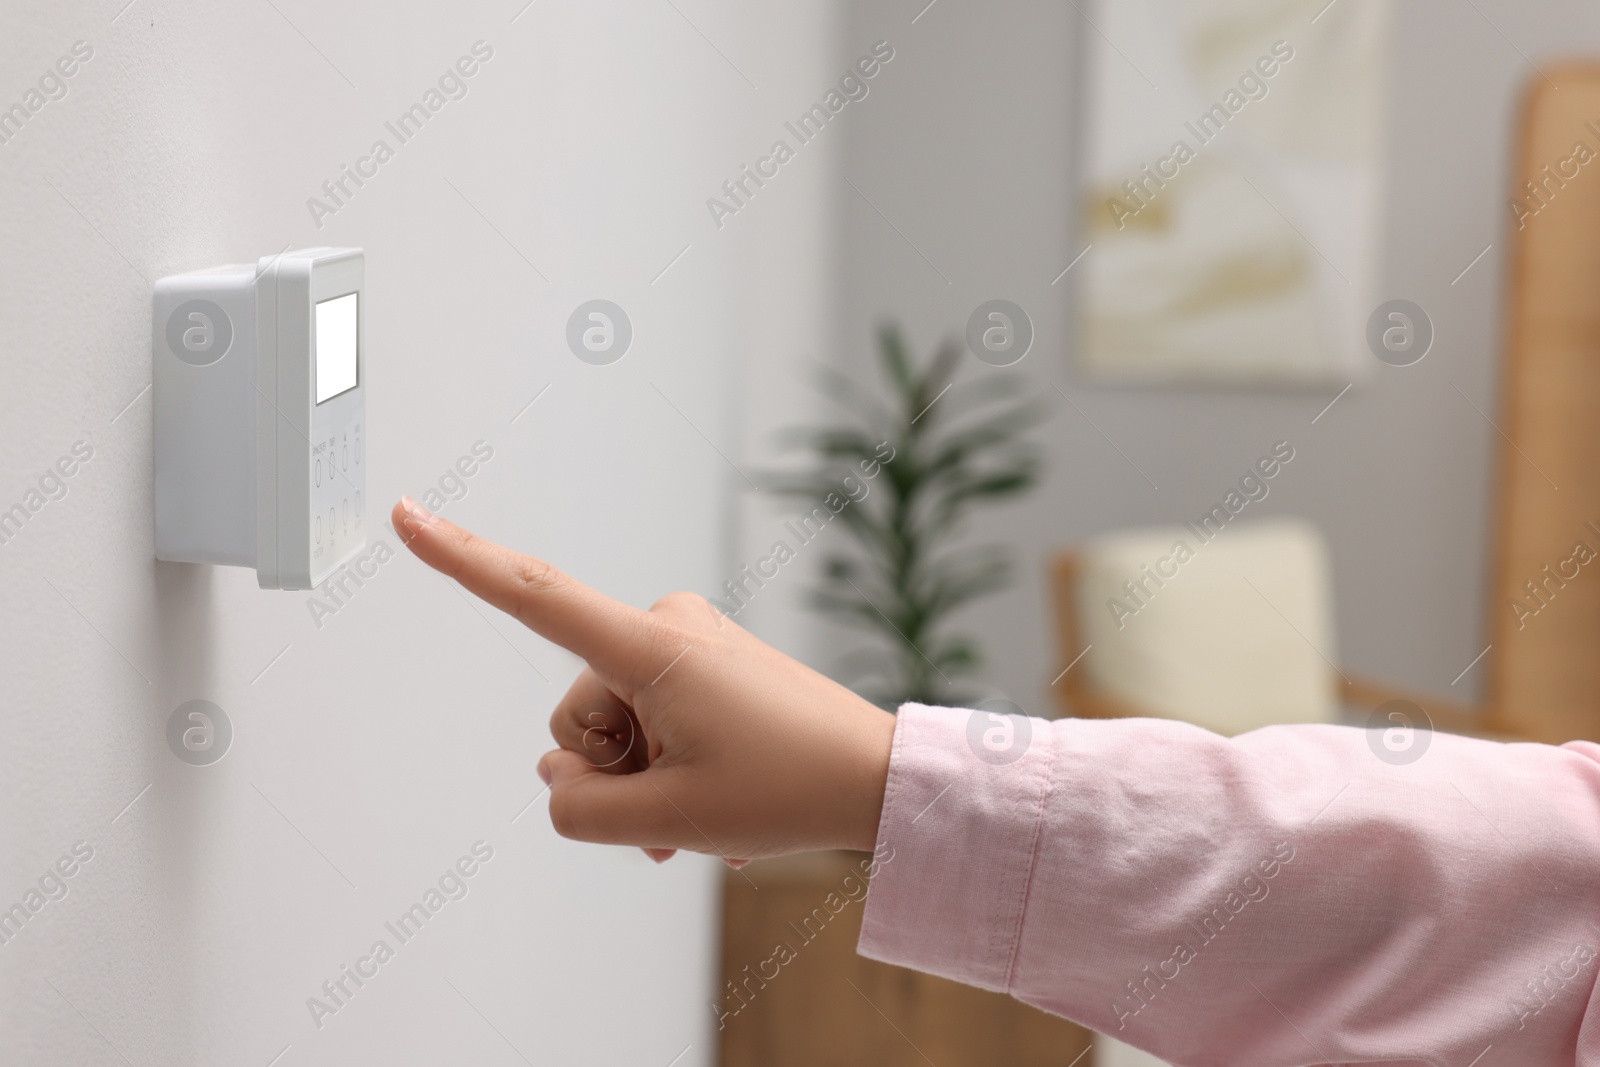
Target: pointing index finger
<point>605,632</point>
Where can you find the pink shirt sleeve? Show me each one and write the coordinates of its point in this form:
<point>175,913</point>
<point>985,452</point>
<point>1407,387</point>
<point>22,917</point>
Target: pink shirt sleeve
<point>1283,897</point>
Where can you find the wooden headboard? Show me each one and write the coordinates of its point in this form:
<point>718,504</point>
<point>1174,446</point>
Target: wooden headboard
<point>1544,663</point>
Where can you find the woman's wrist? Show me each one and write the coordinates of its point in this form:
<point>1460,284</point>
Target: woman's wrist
<point>873,755</point>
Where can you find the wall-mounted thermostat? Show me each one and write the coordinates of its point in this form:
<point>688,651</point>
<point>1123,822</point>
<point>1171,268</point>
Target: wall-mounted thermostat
<point>260,383</point>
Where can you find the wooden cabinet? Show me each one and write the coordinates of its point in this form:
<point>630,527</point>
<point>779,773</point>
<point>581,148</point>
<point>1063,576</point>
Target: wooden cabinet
<point>823,1005</point>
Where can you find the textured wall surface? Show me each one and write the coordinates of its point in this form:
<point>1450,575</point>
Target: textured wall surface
<point>376,743</point>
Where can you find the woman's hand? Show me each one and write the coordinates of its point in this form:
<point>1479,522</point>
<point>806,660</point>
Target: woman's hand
<point>685,731</point>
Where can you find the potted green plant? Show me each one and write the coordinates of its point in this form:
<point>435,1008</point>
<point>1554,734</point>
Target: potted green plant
<point>903,573</point>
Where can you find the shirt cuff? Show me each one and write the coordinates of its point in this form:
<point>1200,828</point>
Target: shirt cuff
<point>956,843</point>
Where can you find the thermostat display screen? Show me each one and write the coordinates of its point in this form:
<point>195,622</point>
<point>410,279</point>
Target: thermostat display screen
<point>336,346</point>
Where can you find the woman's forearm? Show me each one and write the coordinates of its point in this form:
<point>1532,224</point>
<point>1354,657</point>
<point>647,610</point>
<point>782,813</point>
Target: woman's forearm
<point>1284,897</point>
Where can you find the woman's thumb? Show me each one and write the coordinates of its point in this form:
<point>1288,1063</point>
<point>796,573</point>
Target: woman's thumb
<point>587,804</point>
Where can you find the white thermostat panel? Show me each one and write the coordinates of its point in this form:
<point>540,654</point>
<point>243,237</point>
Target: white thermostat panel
<point>260,398</point>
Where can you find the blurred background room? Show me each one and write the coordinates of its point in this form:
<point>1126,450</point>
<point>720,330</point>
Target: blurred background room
<point>1305,287</point>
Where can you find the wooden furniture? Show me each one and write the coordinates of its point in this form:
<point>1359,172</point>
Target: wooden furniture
<point>1544,669</point>
<point>828,1006</point>
<point>1543,658</point>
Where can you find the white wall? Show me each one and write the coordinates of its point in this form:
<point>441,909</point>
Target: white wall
<point>378,748</point>
<point>791,227</point>
<point>968,147</point>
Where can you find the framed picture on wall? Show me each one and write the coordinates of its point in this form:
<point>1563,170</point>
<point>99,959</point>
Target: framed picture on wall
<point>1231,189</point>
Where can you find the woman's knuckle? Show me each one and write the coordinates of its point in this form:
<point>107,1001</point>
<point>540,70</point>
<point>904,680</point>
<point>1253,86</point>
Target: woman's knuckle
<point>535,576</point>
<point>677,602</point>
